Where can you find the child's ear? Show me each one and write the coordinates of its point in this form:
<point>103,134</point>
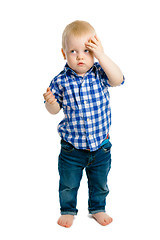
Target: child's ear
<point>63,53</point>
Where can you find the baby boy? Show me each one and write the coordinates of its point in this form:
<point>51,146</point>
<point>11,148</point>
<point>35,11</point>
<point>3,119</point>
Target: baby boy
<point>81,89</point>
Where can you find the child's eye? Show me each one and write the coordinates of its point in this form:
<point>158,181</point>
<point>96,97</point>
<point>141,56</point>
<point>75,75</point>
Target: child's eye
<point>73,51</point>
<point>86,51</point>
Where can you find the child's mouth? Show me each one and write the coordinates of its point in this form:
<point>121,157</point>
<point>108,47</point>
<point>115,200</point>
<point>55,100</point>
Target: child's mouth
<point>80,63</point>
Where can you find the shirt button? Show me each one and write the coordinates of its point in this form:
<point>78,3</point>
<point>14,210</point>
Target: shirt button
<point>90,135</point>
<point>88,119</point>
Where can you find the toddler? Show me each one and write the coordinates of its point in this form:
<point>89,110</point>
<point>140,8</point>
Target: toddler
<point>81,89</point>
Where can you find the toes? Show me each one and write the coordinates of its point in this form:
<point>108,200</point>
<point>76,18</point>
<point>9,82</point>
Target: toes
<point>61,223</point>
<point>68,225</point>
<point>103,219</point>
<point>64,222</point>
<point>107,221</point>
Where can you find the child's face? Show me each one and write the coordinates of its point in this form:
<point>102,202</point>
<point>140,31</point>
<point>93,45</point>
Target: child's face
<point>79,58</point>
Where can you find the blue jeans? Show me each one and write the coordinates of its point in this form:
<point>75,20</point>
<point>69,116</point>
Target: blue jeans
<point>71,163</point>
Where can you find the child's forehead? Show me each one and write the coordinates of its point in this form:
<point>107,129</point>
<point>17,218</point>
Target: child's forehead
<point>81,36</point>
<point>78,40</point>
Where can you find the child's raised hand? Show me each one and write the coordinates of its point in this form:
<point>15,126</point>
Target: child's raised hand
<point>94,45</point>
<point>49,97</point>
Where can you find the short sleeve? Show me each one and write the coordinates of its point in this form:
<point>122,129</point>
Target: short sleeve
<point>56,89</point>
<point>102,75</point>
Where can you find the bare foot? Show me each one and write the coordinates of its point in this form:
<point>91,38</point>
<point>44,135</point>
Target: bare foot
<point>102,218</point>
<point>65,220</point>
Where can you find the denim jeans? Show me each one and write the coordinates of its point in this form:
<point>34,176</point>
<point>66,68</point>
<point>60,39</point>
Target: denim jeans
<point>71,163</point>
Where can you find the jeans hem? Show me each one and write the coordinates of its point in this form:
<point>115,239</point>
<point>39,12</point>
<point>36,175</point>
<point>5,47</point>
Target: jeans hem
<point>96,211</point>
<point>68,213</point>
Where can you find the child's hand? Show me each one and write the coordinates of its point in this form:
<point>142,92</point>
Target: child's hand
<point>49,97</point>
<point>95,46</point>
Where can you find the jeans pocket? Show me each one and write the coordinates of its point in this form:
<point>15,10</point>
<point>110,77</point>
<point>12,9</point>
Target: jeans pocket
<point>67,147</point>
<point>107,147</point>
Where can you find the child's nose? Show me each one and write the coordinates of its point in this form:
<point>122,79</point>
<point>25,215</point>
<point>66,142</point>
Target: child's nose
<point>79,56</point>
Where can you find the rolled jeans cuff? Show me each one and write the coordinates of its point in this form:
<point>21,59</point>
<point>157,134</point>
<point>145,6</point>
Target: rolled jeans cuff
<point>68,213</point>
<point>96,211</point>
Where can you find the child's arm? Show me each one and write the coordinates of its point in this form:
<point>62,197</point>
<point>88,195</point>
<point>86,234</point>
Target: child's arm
<point>51,103</point>
<point>113,72</point>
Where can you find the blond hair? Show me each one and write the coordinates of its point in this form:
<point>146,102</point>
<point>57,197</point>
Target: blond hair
<point>76,28</point>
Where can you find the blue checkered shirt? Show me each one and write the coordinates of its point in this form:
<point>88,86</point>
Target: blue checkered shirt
<point>86,106</point>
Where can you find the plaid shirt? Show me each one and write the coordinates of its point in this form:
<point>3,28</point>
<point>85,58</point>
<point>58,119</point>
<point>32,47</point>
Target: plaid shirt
<point>86,106</point>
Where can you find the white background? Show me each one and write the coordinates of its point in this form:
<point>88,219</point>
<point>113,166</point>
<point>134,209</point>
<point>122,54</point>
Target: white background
<point>29,58</point>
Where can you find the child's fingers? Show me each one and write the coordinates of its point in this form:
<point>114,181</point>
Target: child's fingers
<point>49,90</point>
<point>46,94</point>
<point>51,101</point>
<point>91,45</point>
<point>96,37</point>
<point>49,97</point>
<point>93,40</point>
